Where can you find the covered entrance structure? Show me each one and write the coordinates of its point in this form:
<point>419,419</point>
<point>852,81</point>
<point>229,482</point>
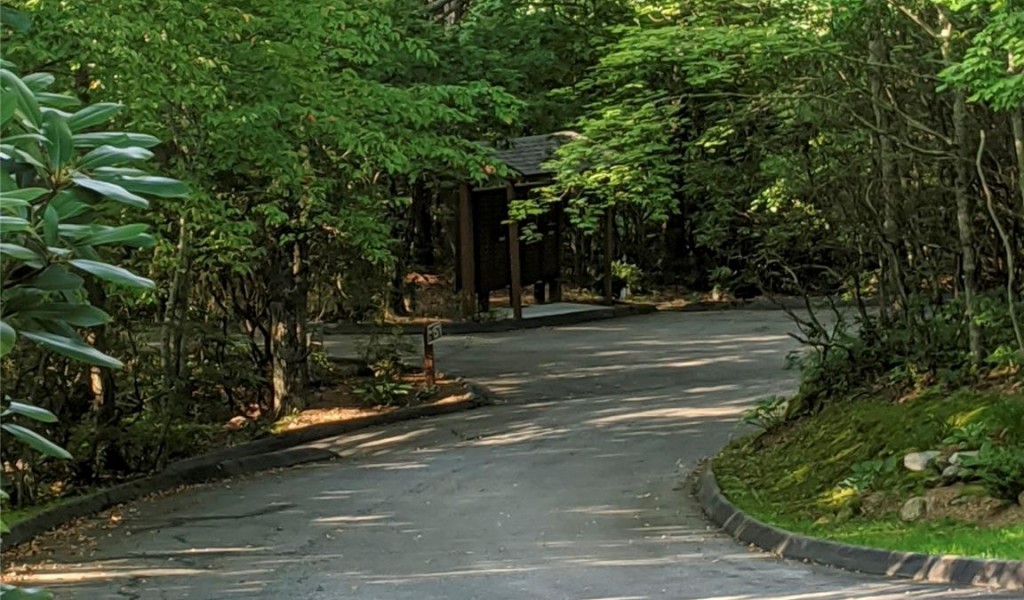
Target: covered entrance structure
<point>491,255</point>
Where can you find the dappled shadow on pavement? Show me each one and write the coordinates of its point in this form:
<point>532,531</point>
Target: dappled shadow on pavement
<point>573,489</point>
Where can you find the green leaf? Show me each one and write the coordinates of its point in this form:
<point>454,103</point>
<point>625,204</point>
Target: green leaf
<point>110,190</point>
<point>59,146</point>
<point>114,138</point>
<point>98,236</point>
<point>161,187</point>
<point>8,105</point>
<point>15,19</point>
<point>56,278</point>
<point>93,115</point>
<point>10,224</point>
<point>38,82</point>
<point>24,194</point>
<point>48,99</point>
<point>78,315</point>
<point>11,592</point>
<point>32,412</point>
<point>50,224</point>
<point>72,348</point>
<point>106,156</point>
<point>7,338</point>
<point>18,252</point>
<point>113,273</point>
<point>26,99</point>
<point>40,443</point>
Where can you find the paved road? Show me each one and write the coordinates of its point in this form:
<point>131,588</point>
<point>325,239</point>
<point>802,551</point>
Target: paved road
<point>571,490</point>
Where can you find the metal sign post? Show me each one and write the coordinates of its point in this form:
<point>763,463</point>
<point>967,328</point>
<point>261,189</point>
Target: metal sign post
<point>431,333</point>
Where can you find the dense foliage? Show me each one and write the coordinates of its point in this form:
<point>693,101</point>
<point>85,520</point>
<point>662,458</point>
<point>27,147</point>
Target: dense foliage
<point>868,149</point>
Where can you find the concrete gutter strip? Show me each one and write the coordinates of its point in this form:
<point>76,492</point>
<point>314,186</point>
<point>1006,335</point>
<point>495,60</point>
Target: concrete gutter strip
<point>1003,574</point>
<point>281,450</point>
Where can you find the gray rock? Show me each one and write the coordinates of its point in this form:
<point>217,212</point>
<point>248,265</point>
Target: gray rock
<point>920,461</point>
<point>952,472</point>
<point>958,457</point>
<point>914,509</point>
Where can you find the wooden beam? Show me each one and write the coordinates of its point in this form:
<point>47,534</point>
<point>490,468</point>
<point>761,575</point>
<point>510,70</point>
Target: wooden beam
<point>609,242</point>
<point>515,269</point>
<point>467,258</point>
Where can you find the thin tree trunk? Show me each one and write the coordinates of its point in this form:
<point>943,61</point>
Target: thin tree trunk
<point>1017,123</point>
<point>964,212</point>
<point>289,351</point>
<point>175,380</point>
<point>1011,268</point>
<point>891,276</point>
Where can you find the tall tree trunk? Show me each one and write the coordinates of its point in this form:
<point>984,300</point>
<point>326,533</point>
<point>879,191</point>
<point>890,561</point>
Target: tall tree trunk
<point>891,280</point>
<point>172,355</point>
<point>964,209</point>
<point>289,345</point>
<point>1017,123</point>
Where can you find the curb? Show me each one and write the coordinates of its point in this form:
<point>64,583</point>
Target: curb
<point>1002,574</point>
<point>613,312</point>
<point>251,457</point>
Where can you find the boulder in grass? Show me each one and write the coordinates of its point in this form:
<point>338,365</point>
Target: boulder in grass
<point>920,461</point>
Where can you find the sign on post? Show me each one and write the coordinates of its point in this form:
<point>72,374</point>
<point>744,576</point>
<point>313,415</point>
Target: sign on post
<point>434,333</point>
<point>431,333</point>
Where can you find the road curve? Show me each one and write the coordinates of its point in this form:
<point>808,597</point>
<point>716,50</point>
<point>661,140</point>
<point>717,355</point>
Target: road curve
<point>570,489</point>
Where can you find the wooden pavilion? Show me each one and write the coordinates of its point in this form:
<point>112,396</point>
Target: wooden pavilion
<point>491,255</point>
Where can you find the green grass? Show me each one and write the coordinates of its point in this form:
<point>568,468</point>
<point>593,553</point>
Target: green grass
<point>791,478</point>
<point>11,516</point>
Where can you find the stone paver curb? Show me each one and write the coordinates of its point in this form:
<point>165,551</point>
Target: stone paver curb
<point>281,450</point>
<point>1003,574</point>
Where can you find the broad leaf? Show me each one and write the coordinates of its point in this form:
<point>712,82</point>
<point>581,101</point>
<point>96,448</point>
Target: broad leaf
<point>56,278</point>
<point>48,99</point>
<point>78,315</point>
<point>161,187</point>
<point>18,252</point>
<point>114,138</point>
<point>111,190</point>
<point>93,115</point>
<point>37,441</point>
<point>97,236</point>
<point>106,156</point>
<point>72,348</point>
<point>113,273</point>
<point>32,412</point>
<point>38,82</point>
<point>10,224</point>
<point>50,224</point>
<point>7,338</point>
<point>59,146</point>
<point>26,99</point>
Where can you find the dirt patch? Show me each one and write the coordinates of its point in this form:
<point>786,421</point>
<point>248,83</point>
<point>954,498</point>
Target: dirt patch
<point>970,504</point>
<point>348,398</point>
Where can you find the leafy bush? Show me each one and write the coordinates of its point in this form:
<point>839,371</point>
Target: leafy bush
<point>1000,469</point>
<point>383,353</point>
<point>967,436</point>
<point>768,414</point>
<point>383,392</point>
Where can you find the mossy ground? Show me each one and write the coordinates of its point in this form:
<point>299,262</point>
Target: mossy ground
<point>794,477</point>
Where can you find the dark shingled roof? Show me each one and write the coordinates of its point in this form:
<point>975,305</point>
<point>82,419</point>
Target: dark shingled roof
<point>527,155</point>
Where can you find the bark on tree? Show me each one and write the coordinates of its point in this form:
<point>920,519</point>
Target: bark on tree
<point>964,209</point>
<point>288,339</point>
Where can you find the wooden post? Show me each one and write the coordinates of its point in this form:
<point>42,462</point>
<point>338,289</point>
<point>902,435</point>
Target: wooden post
<point>609,241</point>
<point>515,269</point>
<point>467,258</point>
<point>428,357</point>
<point>538,292</point>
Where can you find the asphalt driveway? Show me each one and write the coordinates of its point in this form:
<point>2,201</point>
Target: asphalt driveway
<point>570,489</point>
